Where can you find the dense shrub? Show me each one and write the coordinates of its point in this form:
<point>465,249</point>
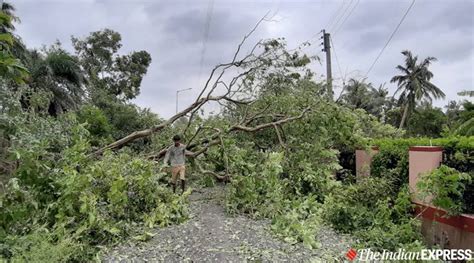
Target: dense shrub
<point>96,123</point>
<point>445,188</point>
<point>348,207</point>
<point>126,118</point>
<point>62,205</point>
<point>259,194</point>
<point>299,222</point>
<point>374,214</point>
<point>264,194</point>
<point>392,161</point>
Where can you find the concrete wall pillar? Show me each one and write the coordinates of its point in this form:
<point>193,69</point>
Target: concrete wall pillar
<point>422,159</point>
<point>364,160</point>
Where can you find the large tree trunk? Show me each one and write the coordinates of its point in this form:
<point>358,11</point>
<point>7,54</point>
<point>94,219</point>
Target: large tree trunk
<point>404,116</point>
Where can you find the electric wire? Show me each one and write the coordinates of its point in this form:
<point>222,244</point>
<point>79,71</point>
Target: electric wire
<point>207,27</point>
<point>337,61</point>
<point>347,17</point>
<point>331,19</point>
<point>389,39</point>
<point>335,25</point>
<point>336,14</point>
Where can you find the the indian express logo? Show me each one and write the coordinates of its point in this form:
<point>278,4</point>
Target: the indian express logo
<point>424,254</point>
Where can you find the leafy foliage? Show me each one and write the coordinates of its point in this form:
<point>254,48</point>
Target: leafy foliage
<point>445,187</point>
<point>116,75</point>
<point>73,204</point>
<point>300,222</point>
<point>61,204</point>
<point>54,70</point>
<point>374,214</point>
<point>96,123</point>
<point>259,194</point>
<point>414,84</point>
<point>262,194</point>
<point>418,126</point>
<point>11,67</point>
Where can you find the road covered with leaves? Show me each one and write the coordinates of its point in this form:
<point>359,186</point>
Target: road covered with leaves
<point>211,235</point>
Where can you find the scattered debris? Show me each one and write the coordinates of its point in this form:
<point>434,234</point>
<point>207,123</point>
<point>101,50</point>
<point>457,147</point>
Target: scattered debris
<point>210,235</point>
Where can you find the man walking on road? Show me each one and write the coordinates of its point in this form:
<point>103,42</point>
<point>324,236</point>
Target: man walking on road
<point>176,155</point>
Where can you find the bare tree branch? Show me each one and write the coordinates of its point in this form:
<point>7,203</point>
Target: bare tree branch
<point>216,139</point>
<point>270,124</point>
<point>250,64</point>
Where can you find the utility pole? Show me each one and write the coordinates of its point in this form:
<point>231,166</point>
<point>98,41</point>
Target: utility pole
<point>327,48</point>
<point>177,93</point>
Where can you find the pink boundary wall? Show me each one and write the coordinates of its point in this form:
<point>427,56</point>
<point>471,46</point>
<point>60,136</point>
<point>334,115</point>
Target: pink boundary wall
<point>455,232</point>
<point>422,159</point>
<point>363,161</point>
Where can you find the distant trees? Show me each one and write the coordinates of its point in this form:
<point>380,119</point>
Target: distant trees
<point>109,73</point>
<point>56,71</point>
<point>362,95</point>
<point>426,120</point>
<point>413,108</point>
<point>414,83</point>
<point>466,120</point>
<point>96,83</point>
<point>469,93</point>
<point>113,80</point>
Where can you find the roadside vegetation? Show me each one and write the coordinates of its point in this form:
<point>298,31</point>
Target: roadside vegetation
<point>78,160</point>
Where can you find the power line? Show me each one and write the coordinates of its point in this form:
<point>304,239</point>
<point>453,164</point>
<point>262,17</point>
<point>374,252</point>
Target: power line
<point>342,16</point>
<point>337,62</point>
<point>345,19</point>
<point>336,14</point>
<point>207,26</point>
<point>331,19</point>
<point>390,38</point>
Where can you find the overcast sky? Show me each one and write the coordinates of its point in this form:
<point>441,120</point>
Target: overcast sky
<point>173,32</point>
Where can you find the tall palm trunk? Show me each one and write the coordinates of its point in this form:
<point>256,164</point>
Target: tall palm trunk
<point>404,116</point>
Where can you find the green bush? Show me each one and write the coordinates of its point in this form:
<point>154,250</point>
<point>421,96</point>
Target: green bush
<point>392,161</point>
<point>393,225</point>
<point>260,194</point>
<point>445,187</point>
<point>63,205</point>
<point>349,207</point>
<point>264,194</point>
<point>299,222</point>
<point>126,118</point>
<point>373,214</point>
<point>96,123</point>
<point>310,170</point>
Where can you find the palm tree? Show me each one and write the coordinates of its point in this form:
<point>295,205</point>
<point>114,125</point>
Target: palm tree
<point>361,95</point>
<point>356,94</point>
<point>8,10</point>
<point>414,84</point>
<point>469,93</point>
<point>58,72</point>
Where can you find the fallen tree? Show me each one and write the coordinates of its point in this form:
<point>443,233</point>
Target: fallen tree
<point>240,91</point>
